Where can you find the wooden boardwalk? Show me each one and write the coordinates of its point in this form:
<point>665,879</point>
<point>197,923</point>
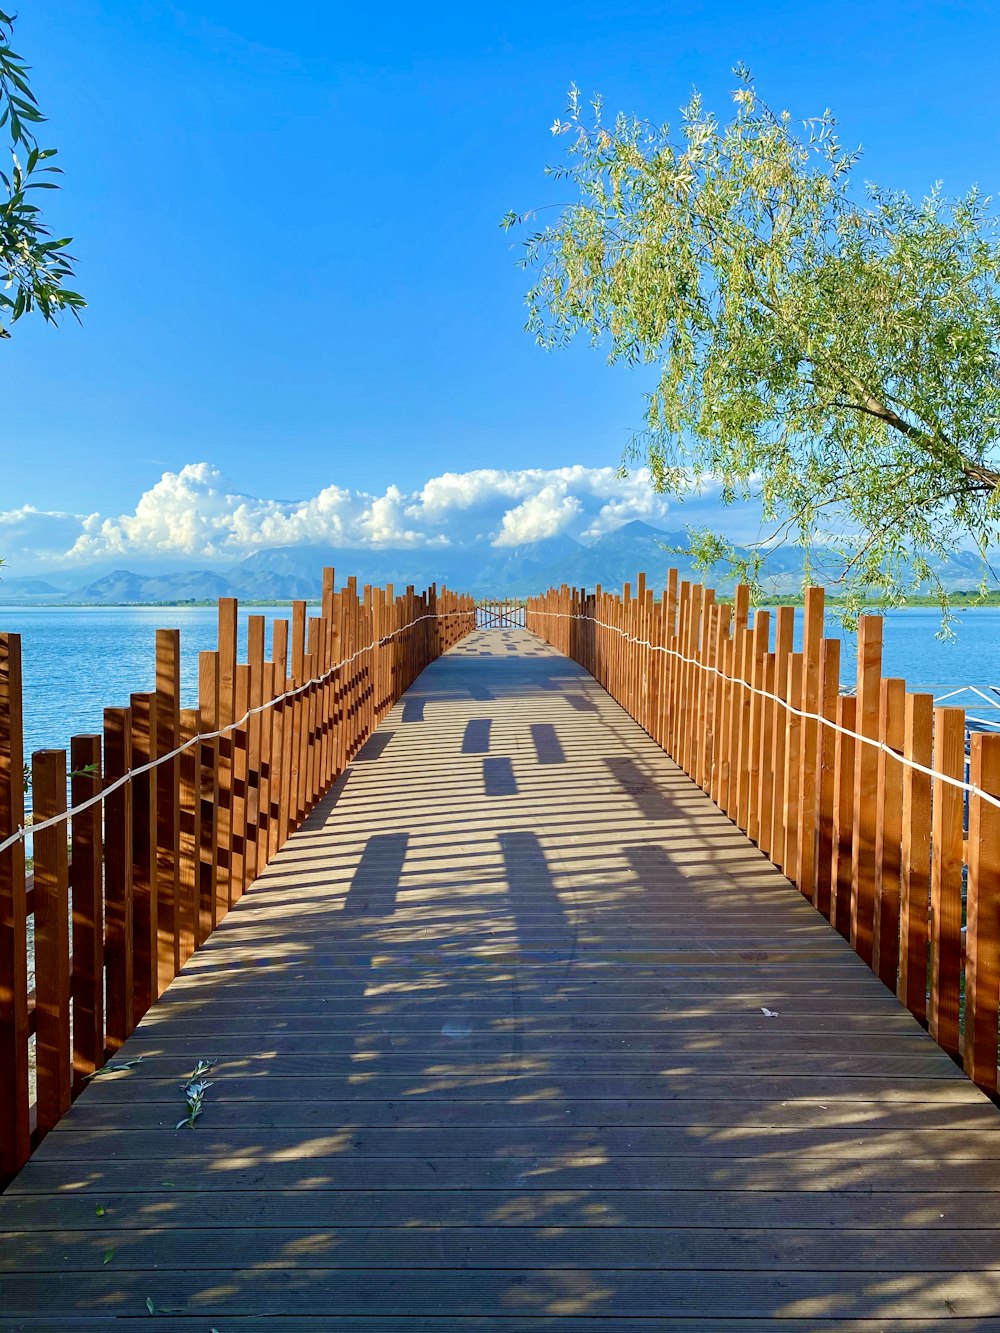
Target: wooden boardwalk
<point>518,1032</point>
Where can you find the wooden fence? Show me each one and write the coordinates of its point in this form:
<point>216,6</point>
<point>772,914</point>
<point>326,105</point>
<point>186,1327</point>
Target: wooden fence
<point>500,613</point>
<point>186,807</point>
<point>862,801</point>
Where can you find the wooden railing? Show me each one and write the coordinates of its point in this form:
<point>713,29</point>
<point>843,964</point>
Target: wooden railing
<point>175,811</point>
<point>500,613</point>
<point>862,801</point>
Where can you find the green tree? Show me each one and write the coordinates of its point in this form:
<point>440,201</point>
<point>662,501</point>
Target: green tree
<point>826,348</point>
<point>34,267</point>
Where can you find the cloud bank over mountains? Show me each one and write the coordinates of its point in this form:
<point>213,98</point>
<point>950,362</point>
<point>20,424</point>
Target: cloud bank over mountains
<point>192,516</point>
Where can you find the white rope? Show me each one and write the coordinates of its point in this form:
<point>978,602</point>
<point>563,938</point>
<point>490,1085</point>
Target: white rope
<point>22,832</point>
<point>973,689</point>
<point>876,744</point>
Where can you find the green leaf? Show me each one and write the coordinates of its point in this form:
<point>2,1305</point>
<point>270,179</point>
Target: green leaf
<point>109,1254</point>
<point>824,347</point>
<point>99,1210</point>
<point>29,260</point>
<point>150,1306</point>
<point>115,1066</point>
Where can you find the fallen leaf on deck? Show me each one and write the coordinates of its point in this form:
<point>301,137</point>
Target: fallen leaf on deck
<point>116,1067</point>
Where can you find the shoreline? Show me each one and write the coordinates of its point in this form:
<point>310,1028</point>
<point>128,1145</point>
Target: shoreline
<point>958,601</point>
<point>152,606</point>
<point>967,599</point>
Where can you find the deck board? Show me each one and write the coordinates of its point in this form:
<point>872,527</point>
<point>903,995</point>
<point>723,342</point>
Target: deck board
<point>491,1052</point>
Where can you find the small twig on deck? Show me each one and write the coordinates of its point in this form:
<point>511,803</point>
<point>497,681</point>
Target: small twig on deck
<point>194,1091</point>
<point>116,1067</point>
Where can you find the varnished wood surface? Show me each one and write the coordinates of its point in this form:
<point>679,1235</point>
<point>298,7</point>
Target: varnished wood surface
<point>490,1052</point>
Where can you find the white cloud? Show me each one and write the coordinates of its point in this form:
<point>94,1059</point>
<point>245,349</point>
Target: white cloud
<point>193,515</point>
<point>33,537</point>
<point>549,513</point>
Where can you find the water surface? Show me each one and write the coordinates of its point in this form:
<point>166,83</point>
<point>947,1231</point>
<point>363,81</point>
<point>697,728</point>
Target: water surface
<point>77,661</point>
<point>80,660</point>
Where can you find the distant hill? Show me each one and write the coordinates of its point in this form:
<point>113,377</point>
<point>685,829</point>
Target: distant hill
<point>29,587</point>
<point>124,586</point>
<point>296,571</point>
<point>284,573</point>
<point>616,558</point>
<point>513,571</point>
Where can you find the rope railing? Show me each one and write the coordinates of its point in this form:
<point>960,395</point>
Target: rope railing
<point>968,787</point>
<point>145,836</point>
<point>23,832</point>
<point>868,802</point>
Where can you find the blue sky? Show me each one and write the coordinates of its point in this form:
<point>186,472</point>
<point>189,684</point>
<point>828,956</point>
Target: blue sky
<point>286,220</point>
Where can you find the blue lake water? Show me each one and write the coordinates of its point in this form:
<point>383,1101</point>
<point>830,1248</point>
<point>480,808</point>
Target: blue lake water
<point>77,661</point>
<point>911,649</point>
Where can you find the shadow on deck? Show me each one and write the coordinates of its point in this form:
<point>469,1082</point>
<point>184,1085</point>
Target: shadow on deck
<point>518,1032</point>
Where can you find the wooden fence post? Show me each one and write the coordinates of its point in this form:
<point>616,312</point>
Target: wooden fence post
<point>86,872</point>
<point>239,842</point>
<point>915,868</point>
<point>724,707</point>
<point>783,639</point>
<point>741,612</point>
<point>793,757</point>
<point>211,902</point>
<point>809,749</point>
<point>888,833</point>
<point>843,814</point>
<point>758,658</point>
<point>227,872</point>
<point>119,909</point>
<point>765,817</point>
<point>866,785</point>
<point>167,781</point>
<point>189,829</point>
<point>53,1056</point>
<point>946,879</point>
<point>829,692</point>
<point>280,745</point>
<point>144,858</point>
<point>742,735</point>
<point>709,683</point>
<point>256,727</point>
<point>15,1134</point>
<point>982,957</point>
<point>670,641</point>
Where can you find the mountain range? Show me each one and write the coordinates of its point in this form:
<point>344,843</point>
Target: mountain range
<point>283,573</point>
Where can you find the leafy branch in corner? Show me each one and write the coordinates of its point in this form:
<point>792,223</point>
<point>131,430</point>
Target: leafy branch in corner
<point>822,346</point>
<point>34,265</point>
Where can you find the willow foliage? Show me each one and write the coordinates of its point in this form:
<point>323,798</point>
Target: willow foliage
<point>823,346</point>
<point>34,266</point>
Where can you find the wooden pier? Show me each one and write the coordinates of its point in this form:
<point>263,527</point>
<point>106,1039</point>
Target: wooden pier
<point>518,1031</point>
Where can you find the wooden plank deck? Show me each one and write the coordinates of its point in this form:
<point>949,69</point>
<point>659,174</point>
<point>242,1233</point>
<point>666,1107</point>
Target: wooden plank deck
<point>490,1051</point>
